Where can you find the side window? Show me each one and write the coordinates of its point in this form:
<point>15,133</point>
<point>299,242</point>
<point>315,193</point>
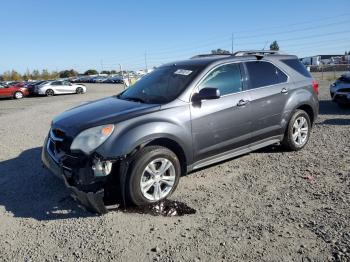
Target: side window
<point>297,66</point>
<point>264,74</point>
<point>56,83</point>
<point>226,78</point>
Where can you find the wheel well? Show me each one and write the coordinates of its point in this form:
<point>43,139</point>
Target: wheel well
<point>308,109</point>
<point>173,146</point>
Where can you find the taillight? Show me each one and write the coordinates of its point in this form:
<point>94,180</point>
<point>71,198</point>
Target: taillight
<point>315,86</point>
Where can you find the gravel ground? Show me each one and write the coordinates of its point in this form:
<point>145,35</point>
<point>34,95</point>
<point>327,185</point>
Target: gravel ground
<point>269,205</point>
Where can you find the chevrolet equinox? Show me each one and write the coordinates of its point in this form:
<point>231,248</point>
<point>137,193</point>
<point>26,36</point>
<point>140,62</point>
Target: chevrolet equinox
<point>182,116</point>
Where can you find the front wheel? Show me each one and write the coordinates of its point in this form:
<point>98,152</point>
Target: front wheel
<point>18,95</point>
<point>298,131</point>
<point>153,175</point>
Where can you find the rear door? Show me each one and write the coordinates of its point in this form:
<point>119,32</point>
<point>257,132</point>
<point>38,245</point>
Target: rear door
<point>269,90</point>
<point>223,124</point>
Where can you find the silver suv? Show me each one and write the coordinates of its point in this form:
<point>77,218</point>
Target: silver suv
<point>183,116</point>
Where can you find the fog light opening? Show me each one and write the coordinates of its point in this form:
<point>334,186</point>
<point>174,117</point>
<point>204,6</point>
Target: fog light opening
<point>102,168</point>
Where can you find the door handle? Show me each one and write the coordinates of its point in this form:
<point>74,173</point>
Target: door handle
<point>284,90</point>
<point>242,102</point>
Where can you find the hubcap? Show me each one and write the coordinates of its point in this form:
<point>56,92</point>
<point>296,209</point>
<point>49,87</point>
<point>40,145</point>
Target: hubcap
<point>19,95</point>
<point>300,131</point>
<point>157,179</point>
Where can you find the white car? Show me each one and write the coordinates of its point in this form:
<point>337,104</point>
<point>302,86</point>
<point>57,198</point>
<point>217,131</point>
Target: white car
<point>59,87</point>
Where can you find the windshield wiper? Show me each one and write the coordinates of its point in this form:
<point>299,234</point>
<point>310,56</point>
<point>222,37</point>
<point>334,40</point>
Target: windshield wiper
<point>134,99</point>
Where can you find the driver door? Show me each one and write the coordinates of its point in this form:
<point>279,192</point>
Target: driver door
<point>223,124</point>
<point>68,87</point>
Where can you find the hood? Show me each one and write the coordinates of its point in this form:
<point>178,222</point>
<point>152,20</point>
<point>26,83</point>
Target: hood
<point>109,110</point>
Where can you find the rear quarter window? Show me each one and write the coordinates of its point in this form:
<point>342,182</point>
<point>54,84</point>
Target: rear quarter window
<point>297,66</point>
<point>263,73</point>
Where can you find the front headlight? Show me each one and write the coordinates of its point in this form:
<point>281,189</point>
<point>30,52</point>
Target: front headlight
<point>91,138</point>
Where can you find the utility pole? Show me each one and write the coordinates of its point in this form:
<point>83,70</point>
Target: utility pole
<point>146,60</point>
<point>101,64</point>
<point>120,70</point>
<point>265,44</point>
<point>232,44</point>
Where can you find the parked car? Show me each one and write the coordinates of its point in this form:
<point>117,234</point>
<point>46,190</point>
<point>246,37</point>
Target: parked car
<point>16,92</point>
<point>340,91</point>
<point>113,80</point>
<point>58,87</point>
<point>181,117</point>
<point>31,86</point>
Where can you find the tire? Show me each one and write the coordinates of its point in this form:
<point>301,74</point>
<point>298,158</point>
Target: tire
<point>140,172</point>
<point>18,95</point>
<point>297,134</point>
<point>79,90</point>
<point>49,92</point>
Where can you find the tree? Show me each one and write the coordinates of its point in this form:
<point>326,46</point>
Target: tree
<point>220,51</point>
<point>6,76</point>
<point>15,76</point>
<point>91,72</point>
<point>67,73</point>
<point>274,46</point>
<point>36,75</point>
<point>113,72</point>
<point>45,75</point>
<point>105,72</point>
<point>54,75</point>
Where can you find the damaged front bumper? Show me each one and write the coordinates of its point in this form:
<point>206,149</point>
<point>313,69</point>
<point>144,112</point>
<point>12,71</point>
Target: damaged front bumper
<point>79,175</point>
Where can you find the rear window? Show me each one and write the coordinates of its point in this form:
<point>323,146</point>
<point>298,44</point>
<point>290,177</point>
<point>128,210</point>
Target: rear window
<point>297,66</point>
<point>264,74</point>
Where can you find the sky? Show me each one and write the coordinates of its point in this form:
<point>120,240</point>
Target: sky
<point>83,34</point>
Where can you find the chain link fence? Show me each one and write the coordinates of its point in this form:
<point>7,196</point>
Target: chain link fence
<point>328,72</point>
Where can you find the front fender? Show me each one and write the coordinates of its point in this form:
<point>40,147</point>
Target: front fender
<point>125,140</point>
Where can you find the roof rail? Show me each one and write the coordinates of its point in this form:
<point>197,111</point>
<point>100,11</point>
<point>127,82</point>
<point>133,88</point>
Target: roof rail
<point>259,54</point>
<point>256,52</point>
<point>208,55</point>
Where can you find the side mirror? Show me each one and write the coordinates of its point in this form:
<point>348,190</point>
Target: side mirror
<point>207,93</point>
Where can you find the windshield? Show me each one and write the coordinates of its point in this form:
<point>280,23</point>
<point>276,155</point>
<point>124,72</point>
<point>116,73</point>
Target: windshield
<point>162,85</point>
<point>344,79</point>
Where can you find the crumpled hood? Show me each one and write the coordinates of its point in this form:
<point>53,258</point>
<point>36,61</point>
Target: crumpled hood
<point>109,110</point>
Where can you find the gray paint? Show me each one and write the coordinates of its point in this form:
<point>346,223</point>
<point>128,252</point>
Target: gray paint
<point>209,131</point>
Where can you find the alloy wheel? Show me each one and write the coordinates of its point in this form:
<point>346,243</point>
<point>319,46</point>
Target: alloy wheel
<point>18,95</point>
<point>300,131</point>
<point>158,179</point>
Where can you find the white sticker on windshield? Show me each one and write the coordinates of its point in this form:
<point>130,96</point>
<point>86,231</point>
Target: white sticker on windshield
<point>183,72</point>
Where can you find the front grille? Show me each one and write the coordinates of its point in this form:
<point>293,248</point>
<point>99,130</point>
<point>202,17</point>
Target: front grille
<point>345,90</point>
<point>61,140</point>
<point>58,133</point>
<point>341,98</point>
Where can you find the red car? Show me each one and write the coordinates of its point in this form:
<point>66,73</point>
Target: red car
<point>16,92</point>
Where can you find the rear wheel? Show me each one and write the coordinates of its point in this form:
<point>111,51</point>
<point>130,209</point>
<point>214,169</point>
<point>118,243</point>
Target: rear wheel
<point>49,92</point>
<point>79,90</point>
<point>153,175</point>
<point>298,131</point>
<point>18,95</point>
